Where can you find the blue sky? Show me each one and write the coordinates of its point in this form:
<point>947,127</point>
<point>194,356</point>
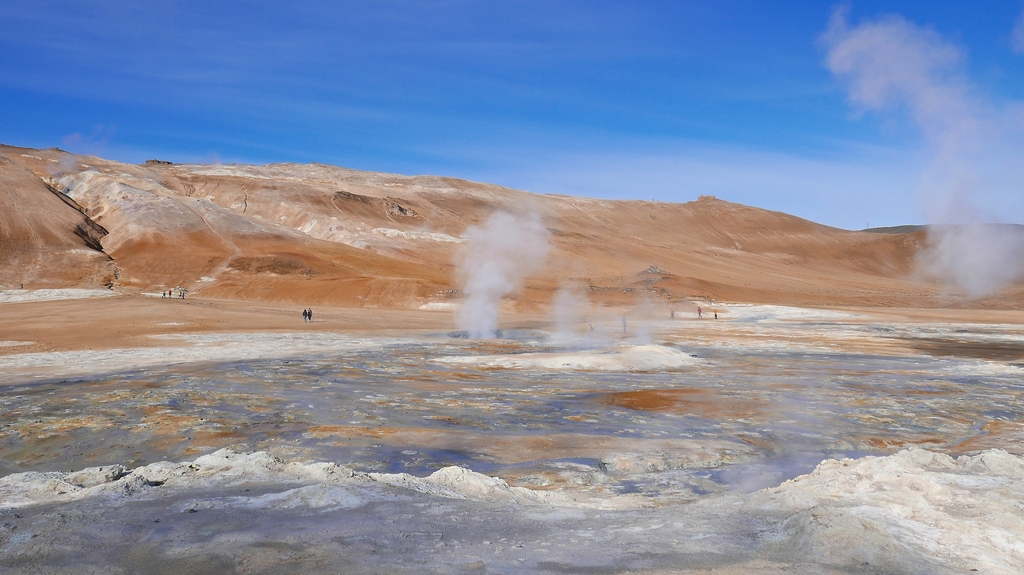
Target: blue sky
<point>650,100</point>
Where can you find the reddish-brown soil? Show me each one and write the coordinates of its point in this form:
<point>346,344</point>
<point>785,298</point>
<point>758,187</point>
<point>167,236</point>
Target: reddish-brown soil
<point>322,235</point>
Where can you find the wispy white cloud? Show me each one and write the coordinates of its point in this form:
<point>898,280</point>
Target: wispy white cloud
<point>93,143</point>
<point>1017,38</point>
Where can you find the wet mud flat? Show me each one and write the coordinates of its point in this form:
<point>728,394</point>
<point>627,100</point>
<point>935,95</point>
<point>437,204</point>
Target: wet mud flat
<point>653,470</point>
<point>396,409</point>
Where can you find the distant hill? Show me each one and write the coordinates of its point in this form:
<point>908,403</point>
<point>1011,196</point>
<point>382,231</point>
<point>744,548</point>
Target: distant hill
<point>914,229</point>
<point>897,230</point>
<point>320,234</point>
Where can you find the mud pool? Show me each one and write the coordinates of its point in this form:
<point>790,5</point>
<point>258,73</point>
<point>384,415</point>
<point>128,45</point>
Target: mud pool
<point>738,406</point>
<point>740,416</point>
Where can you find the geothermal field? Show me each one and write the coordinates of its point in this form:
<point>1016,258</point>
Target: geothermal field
<point>491,382</point>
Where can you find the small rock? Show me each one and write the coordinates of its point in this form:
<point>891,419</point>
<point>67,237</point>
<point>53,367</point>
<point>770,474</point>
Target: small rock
<point>93,476</point>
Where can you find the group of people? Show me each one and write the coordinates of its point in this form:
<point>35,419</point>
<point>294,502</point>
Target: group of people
<point>170,293</point>
<point>672,315</point>
<point>307,315</point>
<point>700,313</point>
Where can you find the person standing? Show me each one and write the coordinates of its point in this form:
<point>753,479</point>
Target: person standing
<point>699,312</point>
<point>309,314</point>
<point>305,315</point>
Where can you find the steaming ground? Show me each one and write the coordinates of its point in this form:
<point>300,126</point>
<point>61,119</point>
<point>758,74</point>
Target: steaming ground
<point>680,446</point>
<point>22,295</point>
<point>619,358</point>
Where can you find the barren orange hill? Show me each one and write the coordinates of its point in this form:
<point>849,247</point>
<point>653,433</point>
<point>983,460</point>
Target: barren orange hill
<point>326,235</point>
<point>45,239</point>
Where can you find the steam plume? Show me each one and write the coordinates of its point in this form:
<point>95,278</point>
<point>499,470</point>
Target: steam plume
<point>569,307</point>
<point>496,258</point>
<point>68,164</point>
<point>980,258</point>
<point>977,160</point>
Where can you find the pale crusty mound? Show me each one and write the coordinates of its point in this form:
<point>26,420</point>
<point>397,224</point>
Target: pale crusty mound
<point>115,483</point>
<point>912,512</point>
<point>966,513</point>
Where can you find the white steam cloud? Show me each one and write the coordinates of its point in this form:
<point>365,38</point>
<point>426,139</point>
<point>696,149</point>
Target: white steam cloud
<point>977,172</point>
<point>569,308</point>
<point>979,258</point>
<point>496,257</point>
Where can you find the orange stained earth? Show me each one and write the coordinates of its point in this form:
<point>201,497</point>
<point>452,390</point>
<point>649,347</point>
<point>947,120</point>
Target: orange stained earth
<point>706,403</point>
<point>324,236</point>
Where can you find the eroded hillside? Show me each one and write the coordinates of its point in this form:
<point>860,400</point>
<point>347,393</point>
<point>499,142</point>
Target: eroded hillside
<point>328,235</point>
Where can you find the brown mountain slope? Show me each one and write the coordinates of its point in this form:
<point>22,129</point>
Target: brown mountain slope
<point>323,234</point>
<point>160,237</point>
<point>45,241</point>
